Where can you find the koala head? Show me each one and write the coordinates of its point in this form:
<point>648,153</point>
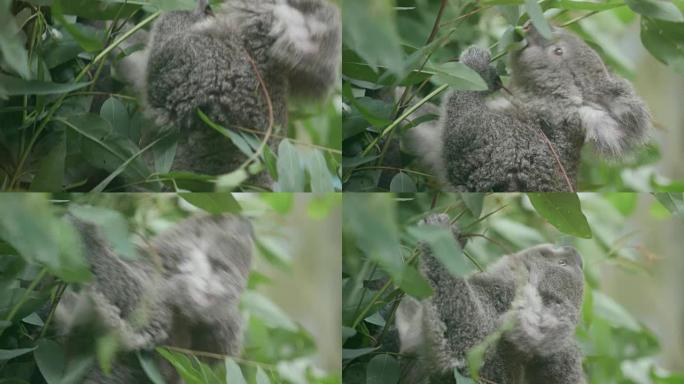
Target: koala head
<point>556,271</point>
<point>563,65</point>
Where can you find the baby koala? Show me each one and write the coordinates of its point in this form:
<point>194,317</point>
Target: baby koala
<point>537,292</point>
<point>216,62</point>
<point>561,96</point>
<point>182,290</point>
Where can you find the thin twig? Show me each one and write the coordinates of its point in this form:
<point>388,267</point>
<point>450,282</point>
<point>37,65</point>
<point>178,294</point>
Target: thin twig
<point>557,157</point>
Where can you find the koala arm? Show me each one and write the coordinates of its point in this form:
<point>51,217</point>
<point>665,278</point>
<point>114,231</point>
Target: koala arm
<point>125,297</point>
<point>308,43</point>
<point>454,319</point>
<point>618,121</point>
<point>540,325</point>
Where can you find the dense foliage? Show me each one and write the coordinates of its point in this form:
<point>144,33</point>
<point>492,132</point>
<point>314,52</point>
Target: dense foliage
<point>399,55</point>
<point>39,257</point>
<point>69,123</point>
<point>380,255</point>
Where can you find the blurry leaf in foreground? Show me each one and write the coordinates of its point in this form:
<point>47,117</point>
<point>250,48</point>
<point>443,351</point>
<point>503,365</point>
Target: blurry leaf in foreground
<point>370,220</point>
<point>370,29</point>
<point>214,203</point>
<point>263,308</point>
<point>111,223</point>
<point>674,202</point>
<point>11,47</point>
<point>27,223</point>
<point>233,373</point>
<point>663,10</point>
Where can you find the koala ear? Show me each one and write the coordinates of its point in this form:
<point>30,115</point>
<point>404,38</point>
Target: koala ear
<point>617,121</point>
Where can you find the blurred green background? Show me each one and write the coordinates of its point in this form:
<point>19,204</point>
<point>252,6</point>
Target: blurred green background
<point>397,52</point>
<point>292,301</point>
<point>632,327</point>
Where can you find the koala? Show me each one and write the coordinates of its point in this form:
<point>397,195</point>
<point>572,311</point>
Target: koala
<point>537,291</point>
<point>214,62</point>
<point>183,290</point>
<point>559,87</point>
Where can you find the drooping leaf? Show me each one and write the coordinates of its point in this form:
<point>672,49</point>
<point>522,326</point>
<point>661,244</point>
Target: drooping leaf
<point>563,211</point>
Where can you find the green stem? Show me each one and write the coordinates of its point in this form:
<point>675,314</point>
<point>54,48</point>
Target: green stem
<point>25,296</point>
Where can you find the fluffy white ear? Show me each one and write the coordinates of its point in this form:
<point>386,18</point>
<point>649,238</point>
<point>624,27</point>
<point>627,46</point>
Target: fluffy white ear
<point>601,129</point>
<point>618,121</point>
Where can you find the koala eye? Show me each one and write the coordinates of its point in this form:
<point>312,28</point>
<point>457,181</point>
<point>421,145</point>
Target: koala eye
<point>558,51</point>
<point>562,262</point>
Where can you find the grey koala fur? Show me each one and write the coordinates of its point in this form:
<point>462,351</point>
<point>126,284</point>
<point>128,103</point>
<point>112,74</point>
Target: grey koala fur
<point>560,87</point>
<point>183,290</point>
<point>538,290</point>
<point>195,60</point>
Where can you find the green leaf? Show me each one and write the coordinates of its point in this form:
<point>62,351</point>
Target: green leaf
<point>214,203</point>
<point>459,76</point>
<point>563,211</point>
<point>115,112</point>
<point>50,173</point>
<point>663,40</point>
<point>261,377</point>
<point>382,369</point>
<point>263,308</point>
<point>674,202</point>
<point>351,354</point>
<point>370,222</point>
<point>443,245</point>
<point>474,202</point>
<point>321,179</point>
<point>413,283</point>
<point>150,367</point>
<point>164,153</point>
<point>11,46</point>
<point>106,348</point>
<point>659,9</point>
<point>89,38</point>
<point>111,223</point>
<point>233,373</point>
<point>51,361</point>
<point>280,202</point>
<point>290,170</point>
<point>15,86</point>
<point>104,148</point>
<point>100,9</point>
<point>534,10</point>
<point>9,354</point>
<point>402,183</point>
<point>183,366</point>
<point>370,30</point>
<point>27,224</point>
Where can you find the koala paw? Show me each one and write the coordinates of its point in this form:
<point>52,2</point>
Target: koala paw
<point>476,58</point>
